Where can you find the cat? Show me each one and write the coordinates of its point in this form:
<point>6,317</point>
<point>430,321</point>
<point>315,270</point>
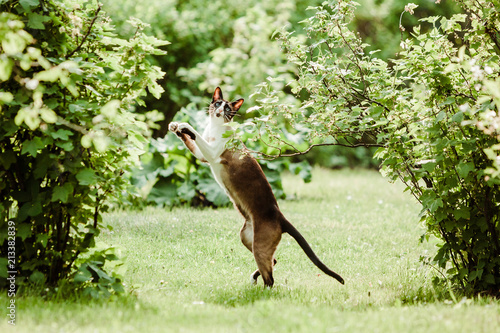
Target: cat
<point>246,185</point>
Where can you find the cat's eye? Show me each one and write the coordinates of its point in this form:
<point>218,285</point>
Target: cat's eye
<point>217,104</point>
<point>227,108</point>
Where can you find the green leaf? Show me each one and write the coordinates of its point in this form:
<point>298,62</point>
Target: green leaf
<point>100,142</point>
<point>13,43</point>
<point>36,21</point>
<point>303,169</point>
<point>110,109</point>
<point>441,115</point>
<point>213,192</point>
<point>463,169</point>
<point>7,158</point>
<point>458,117</point>
<point>32,146</point>
<point>155,89</point>
<point>61,134</point>
<point>81,277</point>
<point>163,192</point>
<point>61,193</point>
<point>23,231</point>
<point>490,279</point>
<point>86,177</point>
<point>187,191</point>
<point>6,65</point>
<point>34,209</point>
<point>429,166</point>
<point>37,277</point>
<point>29,3</point>
<point>118,287</point>
<point>86,141</point>
<point>83,274</point>
<point>50,75</point>
<point>42,239</point>
<point>67,145</point>
<point>6,97</point>
<point>448,101</point>
<point>137,139</point>
<point>462,213</point>
<point>436,204</point>
<point>168,171</point>
<point>48,115</point>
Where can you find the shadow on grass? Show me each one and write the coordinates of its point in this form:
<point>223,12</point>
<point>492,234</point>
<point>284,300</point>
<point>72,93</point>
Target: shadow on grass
<point>245,296</point>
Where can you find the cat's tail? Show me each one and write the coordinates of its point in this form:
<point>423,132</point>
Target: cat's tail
<point>290,229</point>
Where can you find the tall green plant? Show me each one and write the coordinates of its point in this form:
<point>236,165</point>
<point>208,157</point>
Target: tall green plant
<point>432,113</point>
<point>67,134</point>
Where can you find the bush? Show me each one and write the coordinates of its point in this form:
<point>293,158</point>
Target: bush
<point>433,113</point>
<point>67,136</point>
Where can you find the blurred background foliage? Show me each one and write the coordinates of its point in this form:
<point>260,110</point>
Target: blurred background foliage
<point>232,44</point>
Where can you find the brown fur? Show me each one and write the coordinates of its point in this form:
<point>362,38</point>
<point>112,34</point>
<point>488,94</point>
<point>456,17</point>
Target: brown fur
<point>252,196</point>
<point>190,144</point>
<point>249,190</point>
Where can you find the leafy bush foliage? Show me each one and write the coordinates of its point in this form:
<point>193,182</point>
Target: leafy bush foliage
<point>225,43</point>
<point>433,112</point>
<point>377,21</point>
<point>67,134</point>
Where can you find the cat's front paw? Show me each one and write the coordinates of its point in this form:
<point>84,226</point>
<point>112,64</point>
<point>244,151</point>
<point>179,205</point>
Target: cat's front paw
<point>173,127</point>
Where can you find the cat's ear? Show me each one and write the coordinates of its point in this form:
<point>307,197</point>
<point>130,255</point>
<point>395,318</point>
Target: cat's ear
<point>237,104</point>
<point>217,95</point>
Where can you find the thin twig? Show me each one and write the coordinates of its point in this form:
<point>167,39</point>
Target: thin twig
<point>298,152</point>
<point>87,34</point>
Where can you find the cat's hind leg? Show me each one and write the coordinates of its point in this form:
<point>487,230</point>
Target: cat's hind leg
<point>246,235</point>
<point>265,242</point>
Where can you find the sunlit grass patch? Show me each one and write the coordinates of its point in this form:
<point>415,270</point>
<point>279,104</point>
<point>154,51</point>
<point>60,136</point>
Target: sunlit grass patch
<point>187,271</point>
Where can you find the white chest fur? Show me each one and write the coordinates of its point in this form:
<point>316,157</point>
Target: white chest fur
<point>214,136</point>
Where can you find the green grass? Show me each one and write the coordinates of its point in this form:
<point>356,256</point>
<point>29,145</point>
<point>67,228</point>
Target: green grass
<point>188,272</point>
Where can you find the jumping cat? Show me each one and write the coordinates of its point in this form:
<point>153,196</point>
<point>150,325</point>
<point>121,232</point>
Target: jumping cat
<point>246,185</point>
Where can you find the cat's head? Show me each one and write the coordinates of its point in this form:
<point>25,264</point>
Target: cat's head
<point>220,108</point>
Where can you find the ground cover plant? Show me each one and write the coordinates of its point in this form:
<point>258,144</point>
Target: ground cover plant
<point>186,271</point>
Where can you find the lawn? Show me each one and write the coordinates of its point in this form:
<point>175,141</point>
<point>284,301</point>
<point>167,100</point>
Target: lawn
<point>186,271</point>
